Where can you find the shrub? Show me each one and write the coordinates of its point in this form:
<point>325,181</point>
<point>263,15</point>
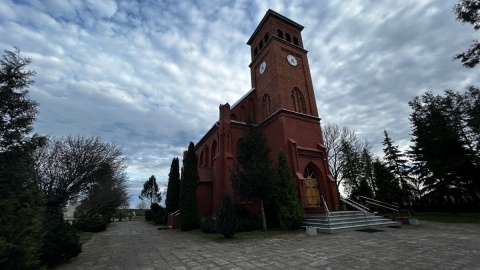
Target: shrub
<point>61,240</point>
<point>148,215</point>
<point>226,222</point>
<point>208,225</point>
<point>289,210</point>
<point>90,224</point>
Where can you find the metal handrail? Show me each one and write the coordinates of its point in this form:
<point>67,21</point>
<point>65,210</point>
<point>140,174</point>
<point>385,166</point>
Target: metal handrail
<point>355,204</point>
<point>176,213</point>
<point>326,206</point>
<point>384,205</point>
<point>358,206</point>
<point>379,202</point>
<point>327,212</point>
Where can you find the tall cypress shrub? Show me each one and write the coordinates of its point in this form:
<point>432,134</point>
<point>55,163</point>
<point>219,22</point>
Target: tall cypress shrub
<point>189,214</point>
<point>226,221</point>
<point>172,202</point>
<point>290,213</point>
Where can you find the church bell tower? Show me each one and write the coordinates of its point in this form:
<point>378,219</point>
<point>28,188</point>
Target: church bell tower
<point>279,69</point>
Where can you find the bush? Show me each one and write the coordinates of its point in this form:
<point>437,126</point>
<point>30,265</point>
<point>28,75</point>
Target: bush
<point>61,240</point>
<point>148,215</point>
<point>208,225</point>
<point>226,222</point>
<point>90,224</point>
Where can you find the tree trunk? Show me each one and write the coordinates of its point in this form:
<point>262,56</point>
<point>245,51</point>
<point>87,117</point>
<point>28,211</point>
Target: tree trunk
<point>264,221</point>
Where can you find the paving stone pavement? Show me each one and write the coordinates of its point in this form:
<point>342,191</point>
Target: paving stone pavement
<point>139,245</point>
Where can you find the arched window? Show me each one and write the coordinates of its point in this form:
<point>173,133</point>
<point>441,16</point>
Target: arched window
<point>243,113</point>
<point>202,160</point>
<point>265,106</point>
<point>295,41</point>
<point>298,101</point>
<point>233,117</point>
<point>214,152</point>
<point>251,109</point>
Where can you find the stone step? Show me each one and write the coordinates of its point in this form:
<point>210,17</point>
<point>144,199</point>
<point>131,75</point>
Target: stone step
<point>347,220</point>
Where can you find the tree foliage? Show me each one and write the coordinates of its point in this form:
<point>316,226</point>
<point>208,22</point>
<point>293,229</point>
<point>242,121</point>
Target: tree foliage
<point>150,191</point>
<point>189,214</point>
<point>446,143</point>
<point>290,214</point>
<point>397,163</point>
<point>108,191</point>
<point>66,168</point>
<point>354,171</point>
<point>334,138</point>
<point>252,174</point>
<point>21,203</point>
<point>468,11</point>
<point>388,187</point>
<point>172,202</point>
<point>226,220</point>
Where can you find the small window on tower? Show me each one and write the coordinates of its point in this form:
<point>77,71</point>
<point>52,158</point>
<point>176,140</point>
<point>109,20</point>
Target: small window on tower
<point>255,52</point>
<point>260,46</point>
<point>280,34</point>
<point>295,41</point>
<point>287,35</point>
<point>265,38</point>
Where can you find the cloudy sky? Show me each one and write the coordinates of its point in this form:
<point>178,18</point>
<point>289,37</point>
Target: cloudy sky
<point>150,75</point>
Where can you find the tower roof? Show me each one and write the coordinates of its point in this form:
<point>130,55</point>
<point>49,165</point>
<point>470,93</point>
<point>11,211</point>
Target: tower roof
<point>279,16</point>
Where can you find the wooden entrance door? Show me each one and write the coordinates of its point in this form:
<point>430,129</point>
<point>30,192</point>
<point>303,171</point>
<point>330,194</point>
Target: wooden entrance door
<point>312,190</point>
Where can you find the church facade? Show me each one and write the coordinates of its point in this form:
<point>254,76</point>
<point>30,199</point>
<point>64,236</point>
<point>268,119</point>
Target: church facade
<point>282,102</point>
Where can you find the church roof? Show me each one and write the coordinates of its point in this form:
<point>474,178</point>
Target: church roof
<point>278,15</point>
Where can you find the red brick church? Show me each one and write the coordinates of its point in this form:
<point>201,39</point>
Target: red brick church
<point>282,102</point>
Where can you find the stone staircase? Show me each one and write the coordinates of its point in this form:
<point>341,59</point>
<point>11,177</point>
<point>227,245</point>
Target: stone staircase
<point>347,221</point>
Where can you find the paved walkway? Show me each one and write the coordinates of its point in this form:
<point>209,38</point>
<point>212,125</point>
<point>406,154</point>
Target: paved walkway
<point>139,245</point>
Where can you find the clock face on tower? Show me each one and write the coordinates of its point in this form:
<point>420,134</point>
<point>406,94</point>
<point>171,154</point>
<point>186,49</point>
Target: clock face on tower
<point>262,68</point>
<point>292,60</point>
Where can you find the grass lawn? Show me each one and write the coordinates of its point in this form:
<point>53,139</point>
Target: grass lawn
<point>449,217</point>
<point>241,236</point>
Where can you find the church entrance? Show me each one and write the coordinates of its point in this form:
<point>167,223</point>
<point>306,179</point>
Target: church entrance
<point>312,190</point>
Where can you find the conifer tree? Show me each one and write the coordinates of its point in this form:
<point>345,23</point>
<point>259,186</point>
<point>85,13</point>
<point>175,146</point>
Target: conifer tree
<point>150,191</point>
<point>397,164</point>
<point>388,187</point>
<point>290,213</point>
<point>21,209</point>
<point>189,214</point>
<point>252,174</point>
<point>226,220</point>
<point>172,202</point>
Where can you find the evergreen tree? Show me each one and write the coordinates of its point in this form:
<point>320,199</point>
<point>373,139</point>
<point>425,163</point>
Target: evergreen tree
<point>226,221</point>
<point>189,214</point>
<point>397,164</point>
<point>21,203</point>
<point>252,175</point>
<point>445,140</point>
<point>290,212</point>
<point>172,202</point>
<point>467,11</point>
<point>368,172</point>
<point>150,191</point>
<point>388,187</point>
